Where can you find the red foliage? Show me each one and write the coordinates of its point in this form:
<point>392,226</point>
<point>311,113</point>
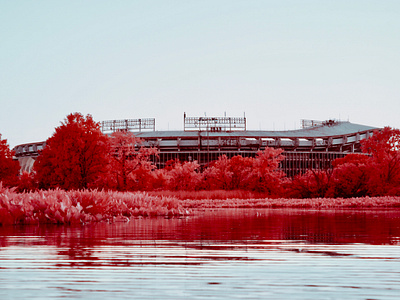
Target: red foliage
<point>9,168</point>
<point>210,194</point>
<point>312,184</point>
<point>130,166</point>
<point>375,174</point>
<point>26,182</point>
<point>351,176</point>
<point>219,175</point>
<point>170,164</point>
<point>240,169</point>
<point>383,143</point>
<point>230,174</point>
<point>66,207</point>
<point>75,157</point>
<point>314,203</point>
<point>159,180</point>
<point>184,176</point>
<point>265,170</point>
<point>384,167</point>
<point>259,174</point>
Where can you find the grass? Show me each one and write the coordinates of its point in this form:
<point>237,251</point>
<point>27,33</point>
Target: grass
<point>213,194</point>
<point>67,207</point>
<point>314,203</point>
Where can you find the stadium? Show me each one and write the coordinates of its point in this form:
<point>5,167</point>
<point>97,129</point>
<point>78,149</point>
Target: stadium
<point>204,139</point>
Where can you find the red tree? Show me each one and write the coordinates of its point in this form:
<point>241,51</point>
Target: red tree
<point>241,169</point>
<point>130,161</point>
<point>384,146</point>
<point>9,168</point>
<point>266,175</point>
<point>75,156</point>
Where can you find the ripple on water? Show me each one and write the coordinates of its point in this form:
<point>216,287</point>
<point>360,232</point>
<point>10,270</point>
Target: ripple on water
<point>261,255</point>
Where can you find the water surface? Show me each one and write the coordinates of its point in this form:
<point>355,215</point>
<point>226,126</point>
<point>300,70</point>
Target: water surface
<point>219,254</point>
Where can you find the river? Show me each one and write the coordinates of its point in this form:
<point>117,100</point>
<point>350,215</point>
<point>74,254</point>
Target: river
<point>217,254</point>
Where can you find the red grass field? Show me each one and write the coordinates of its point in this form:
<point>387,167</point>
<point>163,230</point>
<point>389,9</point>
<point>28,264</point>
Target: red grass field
<point>67,207</point>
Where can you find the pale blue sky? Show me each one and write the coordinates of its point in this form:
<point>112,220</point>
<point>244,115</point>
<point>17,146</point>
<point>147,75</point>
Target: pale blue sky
<point>277,61</point>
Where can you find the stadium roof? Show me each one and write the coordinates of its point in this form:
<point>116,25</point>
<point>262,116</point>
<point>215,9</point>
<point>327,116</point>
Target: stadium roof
<point>333,130</point>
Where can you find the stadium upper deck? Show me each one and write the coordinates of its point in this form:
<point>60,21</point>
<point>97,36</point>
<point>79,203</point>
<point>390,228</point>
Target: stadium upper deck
<point>337,136</point>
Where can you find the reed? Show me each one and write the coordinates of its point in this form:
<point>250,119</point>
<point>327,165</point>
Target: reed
<point>83,206</point>
<point>209,194</point>
<point>313,203</point>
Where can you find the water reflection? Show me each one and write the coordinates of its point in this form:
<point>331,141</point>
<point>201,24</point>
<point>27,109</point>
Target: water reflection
<point>213,230</point>
<point>288,253</point>
<point>326,226</point>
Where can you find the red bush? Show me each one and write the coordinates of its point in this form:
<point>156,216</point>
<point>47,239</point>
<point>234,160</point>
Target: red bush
<point>312,184</point>
<point>351,176</point>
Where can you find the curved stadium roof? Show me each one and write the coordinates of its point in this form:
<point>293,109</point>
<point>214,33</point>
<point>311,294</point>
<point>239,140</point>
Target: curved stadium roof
<point>323,131</point>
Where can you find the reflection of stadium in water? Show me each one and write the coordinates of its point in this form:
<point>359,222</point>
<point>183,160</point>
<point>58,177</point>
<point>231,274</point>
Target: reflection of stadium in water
<point>204,139</point>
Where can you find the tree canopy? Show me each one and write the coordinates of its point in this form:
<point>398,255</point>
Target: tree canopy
<point>9,168</point>
<point>75,156</point>
<point>384,148</point>
<point>130,164</point>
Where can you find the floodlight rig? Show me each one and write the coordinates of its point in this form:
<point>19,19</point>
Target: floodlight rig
<point>134,125</point>
<point>214,124</point>
<point>316,123</point>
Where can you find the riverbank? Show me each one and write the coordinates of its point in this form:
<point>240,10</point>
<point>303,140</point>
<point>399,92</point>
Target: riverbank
<point>248,199</point>
<point>86,206</point>
<point>67,207</point>
<point>315,203</point>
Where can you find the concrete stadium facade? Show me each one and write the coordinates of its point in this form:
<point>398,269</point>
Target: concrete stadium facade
<point>204,139</point>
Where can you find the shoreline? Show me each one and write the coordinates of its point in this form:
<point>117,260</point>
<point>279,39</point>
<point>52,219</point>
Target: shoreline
<point>356,203</point>
<point>87,206</point>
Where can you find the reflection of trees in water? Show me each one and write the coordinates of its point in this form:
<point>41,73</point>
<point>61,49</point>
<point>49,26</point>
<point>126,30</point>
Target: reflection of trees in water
<point>79,256</point>
<point>371,227</point>
<point>235,226</point>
